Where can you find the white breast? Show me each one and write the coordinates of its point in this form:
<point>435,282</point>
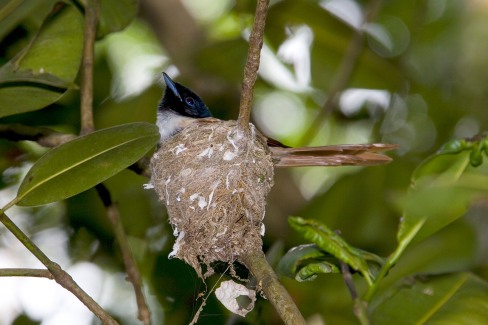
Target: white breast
<point>170,123</point>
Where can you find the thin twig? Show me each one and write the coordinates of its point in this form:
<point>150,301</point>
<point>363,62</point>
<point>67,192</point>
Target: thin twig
<point>61,277</point>
<point>359,305</point>
<point>346,275</point>
<point>344,73</point>
<point>44,136</point>
<point>36,273</point>
<point>272,288</point>
<point>92,9</point>
<point>130,265</point>
<point>252,65</point>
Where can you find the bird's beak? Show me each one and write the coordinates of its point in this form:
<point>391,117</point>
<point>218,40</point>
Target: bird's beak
<point>171,85</point>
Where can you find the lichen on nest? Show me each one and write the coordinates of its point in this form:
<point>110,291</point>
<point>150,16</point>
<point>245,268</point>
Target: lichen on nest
<point>214,183</point>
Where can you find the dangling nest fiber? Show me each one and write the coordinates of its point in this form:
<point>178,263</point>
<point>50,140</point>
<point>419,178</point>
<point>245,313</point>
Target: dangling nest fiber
<point>214,184</point>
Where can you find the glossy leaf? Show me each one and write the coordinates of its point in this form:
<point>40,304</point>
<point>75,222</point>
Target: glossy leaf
<point>305,262</point>
<point>85,162</point>
<point>446,299</point>
<point>40,74</point>
<point>334,244</point>
<point>115,15</point>
<point>436,197</point>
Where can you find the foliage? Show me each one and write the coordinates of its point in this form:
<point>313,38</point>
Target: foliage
<point>425,213</point>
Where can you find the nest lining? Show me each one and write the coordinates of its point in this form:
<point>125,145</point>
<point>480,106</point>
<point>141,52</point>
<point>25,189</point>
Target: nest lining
<point>214,183</point>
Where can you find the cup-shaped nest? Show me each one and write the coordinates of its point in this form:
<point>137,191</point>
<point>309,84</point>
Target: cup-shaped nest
<point>214,182</point>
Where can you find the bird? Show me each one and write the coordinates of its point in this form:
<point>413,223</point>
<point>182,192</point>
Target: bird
<point>180,107</point>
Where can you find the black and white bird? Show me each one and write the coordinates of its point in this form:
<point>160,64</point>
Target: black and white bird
<point>181,107</point>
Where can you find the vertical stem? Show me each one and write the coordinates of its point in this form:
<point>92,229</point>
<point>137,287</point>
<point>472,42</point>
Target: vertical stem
<point>272,288</point>
<point>252,65</point>
<point>91,22</point>
<point>133,274</point>
<point>130,265</point>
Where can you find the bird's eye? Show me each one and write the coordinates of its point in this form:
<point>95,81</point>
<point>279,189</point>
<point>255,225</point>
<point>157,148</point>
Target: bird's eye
<point>190,101</point>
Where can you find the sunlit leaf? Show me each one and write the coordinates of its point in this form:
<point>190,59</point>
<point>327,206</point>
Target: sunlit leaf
<point>305,262</point>
<point>446,299</point>
<point>84,162</point>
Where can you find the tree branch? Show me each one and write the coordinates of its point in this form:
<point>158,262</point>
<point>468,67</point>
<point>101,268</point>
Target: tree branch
<point>252,65</point>
<point>92,9</point>
<point>36,273</point>
<point>343,76</point>
<point>44,136</point>
<point>272,288</point>
<point>130,265</point>
<point>59,275</point>
<point>177,30</point>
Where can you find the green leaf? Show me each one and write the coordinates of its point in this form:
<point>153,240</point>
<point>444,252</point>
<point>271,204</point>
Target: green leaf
<point>9,74</point>
<point>440,194</point>
<point>40,74</point>
<point>440,169</point>
<point>12,12</point>
<point>85,162</point>
<point>115,15</point>
<point>305,262</point>
<point>334,244</point>
<point>446,299</point>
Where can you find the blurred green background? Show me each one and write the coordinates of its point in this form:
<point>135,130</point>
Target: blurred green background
<point>418,79</point>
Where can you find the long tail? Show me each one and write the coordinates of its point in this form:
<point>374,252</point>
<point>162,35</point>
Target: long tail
<point>336,155</point>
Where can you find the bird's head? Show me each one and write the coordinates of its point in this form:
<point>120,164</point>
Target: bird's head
<point>183,101</point>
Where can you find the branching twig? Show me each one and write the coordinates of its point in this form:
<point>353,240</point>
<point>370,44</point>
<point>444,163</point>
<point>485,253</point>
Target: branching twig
<point>44,136</point>
<point>130,265</point>
<point>49,138</point>
<point>272,288</point>
<point>91,22</point>
<point>61,277</point>
<point>36,273</point>
<point>344,73</point>
<point>252,65</point>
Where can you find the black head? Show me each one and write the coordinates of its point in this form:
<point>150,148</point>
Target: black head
<point>182,100</point>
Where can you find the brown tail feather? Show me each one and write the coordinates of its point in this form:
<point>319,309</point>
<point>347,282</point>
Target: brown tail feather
<point>336,155</point>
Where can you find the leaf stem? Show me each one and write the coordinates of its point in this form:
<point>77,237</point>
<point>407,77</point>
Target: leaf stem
<point>10,204</point>
<point>252,65</point>
<point>61,277</point>
<point>393,258</point>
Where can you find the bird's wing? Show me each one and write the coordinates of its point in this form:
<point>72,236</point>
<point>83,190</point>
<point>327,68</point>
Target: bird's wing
<point>336,155</point>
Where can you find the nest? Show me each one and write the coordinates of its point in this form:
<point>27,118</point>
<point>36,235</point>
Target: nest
<point>214,183</point>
